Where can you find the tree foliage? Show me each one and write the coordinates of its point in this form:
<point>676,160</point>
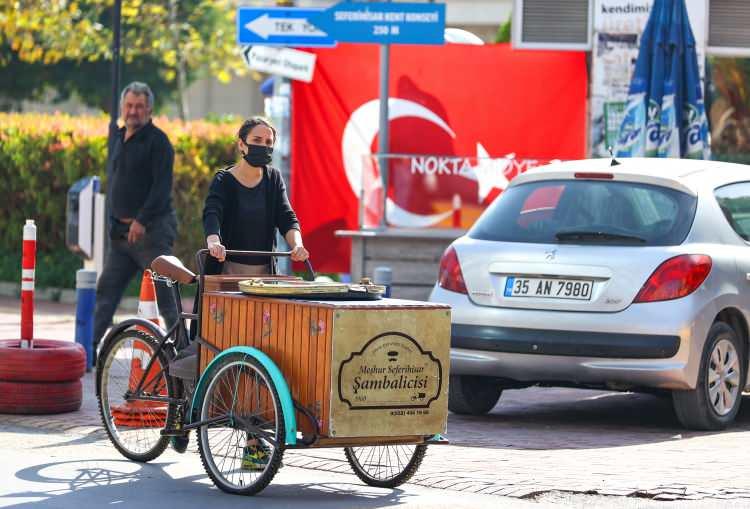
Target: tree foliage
<point>41,156</point>
<point>193,35</point>
<point>25,81</point>
<point>504,31</point>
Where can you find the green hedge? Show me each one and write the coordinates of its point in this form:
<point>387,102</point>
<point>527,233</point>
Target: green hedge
<point>42,155</point>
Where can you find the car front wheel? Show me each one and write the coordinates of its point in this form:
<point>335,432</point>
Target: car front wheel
<point>715,401</point>
<point>473,395</point>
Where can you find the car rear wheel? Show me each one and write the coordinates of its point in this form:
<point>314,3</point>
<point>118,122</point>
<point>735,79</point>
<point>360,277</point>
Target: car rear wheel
<point>715,401</point>
<point>474,395</point>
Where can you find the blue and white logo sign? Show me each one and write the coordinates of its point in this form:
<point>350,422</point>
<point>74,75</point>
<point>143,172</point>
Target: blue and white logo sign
<point>283,26</point>
<point>383,22</point>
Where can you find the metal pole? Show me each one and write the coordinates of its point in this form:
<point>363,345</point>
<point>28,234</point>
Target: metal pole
<point>113,114</point>
<point>383,145</point>
<point>114,106</point>
<point>280,111</point>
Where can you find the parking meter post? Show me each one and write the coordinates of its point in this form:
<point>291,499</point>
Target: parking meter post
<point>85,302</point>
<point>383,276</point>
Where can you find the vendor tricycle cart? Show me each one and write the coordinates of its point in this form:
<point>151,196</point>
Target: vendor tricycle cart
<point>277,363</point>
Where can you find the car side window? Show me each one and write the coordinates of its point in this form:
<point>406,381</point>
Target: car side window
<point>734,201</point>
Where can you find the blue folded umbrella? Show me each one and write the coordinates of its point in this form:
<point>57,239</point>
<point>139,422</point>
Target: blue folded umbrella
<point>665,115</point>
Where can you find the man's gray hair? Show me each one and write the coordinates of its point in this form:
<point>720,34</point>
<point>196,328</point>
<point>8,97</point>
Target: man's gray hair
<point>139,88</point>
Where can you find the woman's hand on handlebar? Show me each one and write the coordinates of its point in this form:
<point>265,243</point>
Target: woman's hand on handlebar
<point>299,254</point>
<point>215,247</point>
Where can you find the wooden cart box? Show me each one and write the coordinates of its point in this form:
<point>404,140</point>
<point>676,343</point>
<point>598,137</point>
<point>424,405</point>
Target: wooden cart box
<point>364,368</point>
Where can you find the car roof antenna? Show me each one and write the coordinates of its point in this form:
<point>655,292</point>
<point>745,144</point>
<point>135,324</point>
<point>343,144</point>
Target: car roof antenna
<point>614,161</point>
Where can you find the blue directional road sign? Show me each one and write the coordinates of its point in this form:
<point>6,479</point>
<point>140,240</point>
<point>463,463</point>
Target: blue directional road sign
<point>383,22</point>
<point>282,26</point>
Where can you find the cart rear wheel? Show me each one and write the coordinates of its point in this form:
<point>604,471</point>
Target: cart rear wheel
<point>241,449</point>
<point>134,426</point>
<point>385,466</point>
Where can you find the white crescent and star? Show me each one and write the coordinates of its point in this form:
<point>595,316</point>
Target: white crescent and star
<point>359,133</point>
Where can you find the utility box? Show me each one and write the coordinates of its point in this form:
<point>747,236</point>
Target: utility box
<point>84,225</point>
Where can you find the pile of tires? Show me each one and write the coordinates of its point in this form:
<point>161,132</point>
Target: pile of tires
<point>45,379</point>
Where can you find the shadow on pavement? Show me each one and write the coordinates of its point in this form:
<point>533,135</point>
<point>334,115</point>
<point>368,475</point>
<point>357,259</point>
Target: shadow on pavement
<point>89,438</point>
<point>561,418</point>
<point>100,483</point>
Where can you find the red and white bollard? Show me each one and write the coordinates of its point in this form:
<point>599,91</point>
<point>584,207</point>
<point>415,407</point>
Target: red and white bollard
<point>28,265</point>
<point>456,211</point>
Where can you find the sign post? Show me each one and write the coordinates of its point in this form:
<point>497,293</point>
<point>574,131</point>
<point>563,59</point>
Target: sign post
<point>383,131</point>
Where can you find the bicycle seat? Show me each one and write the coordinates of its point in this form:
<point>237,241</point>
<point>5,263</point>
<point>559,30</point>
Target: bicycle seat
<point>172,267</point>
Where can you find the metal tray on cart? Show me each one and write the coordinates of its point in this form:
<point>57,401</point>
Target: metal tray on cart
<point>313,290</point>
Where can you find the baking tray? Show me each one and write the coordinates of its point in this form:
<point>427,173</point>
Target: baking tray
<point>312,290</point>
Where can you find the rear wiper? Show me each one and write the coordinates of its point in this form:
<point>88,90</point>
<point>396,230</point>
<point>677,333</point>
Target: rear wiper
<point>595,235</point>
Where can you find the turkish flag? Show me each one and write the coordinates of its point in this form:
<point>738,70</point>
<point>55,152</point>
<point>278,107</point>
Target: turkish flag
<point>451,100</point>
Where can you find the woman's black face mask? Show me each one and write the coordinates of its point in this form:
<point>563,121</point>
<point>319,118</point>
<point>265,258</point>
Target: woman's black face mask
<point>257,155</point>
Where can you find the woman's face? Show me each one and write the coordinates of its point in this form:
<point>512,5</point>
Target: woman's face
<point>260,135</point>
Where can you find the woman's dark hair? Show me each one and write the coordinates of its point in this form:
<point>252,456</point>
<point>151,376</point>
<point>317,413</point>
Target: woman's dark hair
<point>248,125</point>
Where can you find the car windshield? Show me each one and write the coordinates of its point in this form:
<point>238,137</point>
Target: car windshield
<point>588,212</point>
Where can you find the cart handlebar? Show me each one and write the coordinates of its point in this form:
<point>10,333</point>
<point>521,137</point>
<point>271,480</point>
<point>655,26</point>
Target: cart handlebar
<point>201,255</point>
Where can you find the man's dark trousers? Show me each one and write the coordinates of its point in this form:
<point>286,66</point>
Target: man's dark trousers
<point>124,261</point>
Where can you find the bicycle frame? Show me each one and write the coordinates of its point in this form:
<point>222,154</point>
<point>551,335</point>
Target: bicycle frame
<point>179,332</point>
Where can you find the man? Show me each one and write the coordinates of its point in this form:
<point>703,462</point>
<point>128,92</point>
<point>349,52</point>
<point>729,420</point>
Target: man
<point>142,221</point>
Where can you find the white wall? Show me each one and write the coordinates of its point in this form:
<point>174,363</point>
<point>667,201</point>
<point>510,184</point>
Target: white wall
<point>241,96</point>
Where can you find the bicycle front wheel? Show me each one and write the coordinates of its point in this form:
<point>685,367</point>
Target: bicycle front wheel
<point>385,466</point>
<point>134,425</point>
<point>242,442</point>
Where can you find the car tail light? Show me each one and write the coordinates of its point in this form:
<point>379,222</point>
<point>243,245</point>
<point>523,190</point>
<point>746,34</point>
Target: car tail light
<point>675,278</point>
<point>450,276</point>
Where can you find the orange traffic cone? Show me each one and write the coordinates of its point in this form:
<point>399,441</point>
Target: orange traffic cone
<point>147,306</point>
<point>144,414</point>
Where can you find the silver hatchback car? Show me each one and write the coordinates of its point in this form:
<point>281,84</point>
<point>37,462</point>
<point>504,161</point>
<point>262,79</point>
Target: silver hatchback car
<point>633,276</point>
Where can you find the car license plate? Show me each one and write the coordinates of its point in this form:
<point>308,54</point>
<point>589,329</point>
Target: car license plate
<point>553,288</point>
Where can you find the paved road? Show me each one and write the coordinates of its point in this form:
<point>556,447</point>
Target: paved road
<point>564,446</point>
<point>70,472</point>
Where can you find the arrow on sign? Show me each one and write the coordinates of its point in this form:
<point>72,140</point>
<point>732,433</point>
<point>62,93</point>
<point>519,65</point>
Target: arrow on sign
<point>266,26</point>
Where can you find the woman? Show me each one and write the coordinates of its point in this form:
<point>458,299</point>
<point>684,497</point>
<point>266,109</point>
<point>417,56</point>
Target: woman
<point>245,205</point>
<point>247,202</point>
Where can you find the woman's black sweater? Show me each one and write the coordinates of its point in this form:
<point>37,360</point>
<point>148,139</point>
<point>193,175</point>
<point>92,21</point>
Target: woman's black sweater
<point>228,214</point>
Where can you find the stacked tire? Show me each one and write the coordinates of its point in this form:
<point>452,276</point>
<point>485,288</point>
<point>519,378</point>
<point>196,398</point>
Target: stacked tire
<point>45,379</point>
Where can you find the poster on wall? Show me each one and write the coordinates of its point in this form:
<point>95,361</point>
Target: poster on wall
<point>457,114</point>
<point>728,108</point>
<point>618,25</point>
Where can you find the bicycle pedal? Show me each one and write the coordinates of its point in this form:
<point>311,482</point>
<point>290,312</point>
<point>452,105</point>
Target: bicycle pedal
<point>180,444</point>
